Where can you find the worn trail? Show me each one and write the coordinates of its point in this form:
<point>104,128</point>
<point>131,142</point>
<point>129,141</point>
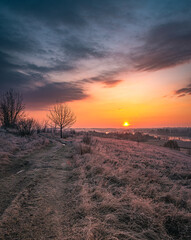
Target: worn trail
<point>33,206</point>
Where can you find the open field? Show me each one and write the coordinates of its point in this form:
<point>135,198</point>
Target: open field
<point>106,188</point>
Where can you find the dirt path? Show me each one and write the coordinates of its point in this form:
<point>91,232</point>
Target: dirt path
<point>33,205</point>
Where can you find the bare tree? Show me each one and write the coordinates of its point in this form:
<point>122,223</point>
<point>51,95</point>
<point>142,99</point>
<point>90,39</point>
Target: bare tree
<point>62,116</point>
<point>11,108</point>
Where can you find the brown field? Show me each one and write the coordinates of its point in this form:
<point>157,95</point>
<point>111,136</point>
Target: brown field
<point>92,189</point>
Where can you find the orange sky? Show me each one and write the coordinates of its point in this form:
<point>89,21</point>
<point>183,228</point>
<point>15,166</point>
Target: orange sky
<point>142,99</point>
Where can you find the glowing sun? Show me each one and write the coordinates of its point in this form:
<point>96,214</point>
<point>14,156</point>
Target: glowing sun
<point>126,124</point>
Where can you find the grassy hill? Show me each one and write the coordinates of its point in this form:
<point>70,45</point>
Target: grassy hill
<point>92,189</point>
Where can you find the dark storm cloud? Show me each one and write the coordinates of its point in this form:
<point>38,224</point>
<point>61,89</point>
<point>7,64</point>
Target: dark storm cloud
<point>166,45</point>
<point>51,93</point>
<point>183,91</point>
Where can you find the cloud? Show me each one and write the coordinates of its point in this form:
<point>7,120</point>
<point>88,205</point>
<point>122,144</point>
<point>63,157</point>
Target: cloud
<point>183,91</point>
<point>58,67</point>
<point>12,76</point>
<point>51,93</point>
<point>30,51</point>
<point>166,45</point>
<point>71,13</point>
<point>108,78</point>
<point>14,36</point>
<point>77,48</point>
<point>112,83</point>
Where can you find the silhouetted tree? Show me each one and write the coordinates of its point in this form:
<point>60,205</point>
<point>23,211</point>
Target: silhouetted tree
<point>62,116</point>
<point>11,108</point>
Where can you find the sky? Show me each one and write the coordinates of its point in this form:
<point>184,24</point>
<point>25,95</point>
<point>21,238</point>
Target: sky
<point>110,61</point>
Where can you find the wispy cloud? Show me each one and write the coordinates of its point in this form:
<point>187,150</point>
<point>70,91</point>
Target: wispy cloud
<point>112,83</point>
<point>183,91</point>
<point>51,93</point>
<point>166,45</point>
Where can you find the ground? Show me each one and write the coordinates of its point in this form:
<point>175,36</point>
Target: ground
<point>106,189</point>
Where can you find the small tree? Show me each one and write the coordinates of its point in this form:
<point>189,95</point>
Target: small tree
<point>62,116</point>
<point>11,108</point>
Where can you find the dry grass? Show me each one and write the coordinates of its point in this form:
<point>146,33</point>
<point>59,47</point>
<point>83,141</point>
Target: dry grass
<point>116,189</point>
<point>131,191</point>
<point>87,139</point>
<point>13,148</point>
<point>82,148</point>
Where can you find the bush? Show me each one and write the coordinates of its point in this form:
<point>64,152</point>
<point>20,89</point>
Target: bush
<point>189,151</point>
<point>26,127</point>
<point>82,148</point>
<point>72,131</point>
<point>172,144</point>
<point>87,139</point>
<point>67,134</point>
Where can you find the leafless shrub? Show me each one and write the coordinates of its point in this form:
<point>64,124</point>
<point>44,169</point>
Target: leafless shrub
<point>26,127</point>
<point>87,139</point>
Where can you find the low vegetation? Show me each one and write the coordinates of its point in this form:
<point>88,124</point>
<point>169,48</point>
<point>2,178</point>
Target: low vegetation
<point>131,191</point>
<point>109,189</point>
<point>172,144</point>
<point>137,136</point>
<point>27,127</point>
<point>87,139</point>
<point>14,149</point>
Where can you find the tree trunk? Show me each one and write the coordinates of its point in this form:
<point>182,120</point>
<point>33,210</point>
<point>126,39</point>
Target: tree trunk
<point>61,131</point>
